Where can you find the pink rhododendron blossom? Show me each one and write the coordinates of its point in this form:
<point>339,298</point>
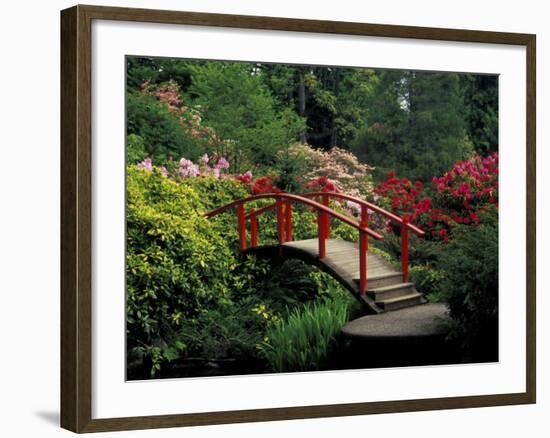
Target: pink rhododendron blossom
<point>146,164</point>
<point>245,178</point>
<point>460,195</point>
<point>353,206</point>
<point>164,171</point>
<point>222,163</point>
<point>205,158</point>
<point>188,168</point>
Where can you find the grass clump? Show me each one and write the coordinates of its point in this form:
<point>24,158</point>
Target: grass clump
<point>302,342</point>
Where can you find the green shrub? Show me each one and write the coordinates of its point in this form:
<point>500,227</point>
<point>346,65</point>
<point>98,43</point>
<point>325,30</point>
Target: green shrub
<point>329,289</point>
<point>135,149</point>
<point>161,131</point>
<point>238,106</point>
<point>280,285</point>
<point>303,341</point>
<point>215,193</point>
<point>230,331</point>
<point>177,264</point>
<point>470,285</point>
<point>428,280</point>
<point>421,251</point>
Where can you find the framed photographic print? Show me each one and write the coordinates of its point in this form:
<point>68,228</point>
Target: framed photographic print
<point>268,218</point>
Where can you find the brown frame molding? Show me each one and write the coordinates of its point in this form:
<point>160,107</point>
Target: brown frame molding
<point>76,173</point>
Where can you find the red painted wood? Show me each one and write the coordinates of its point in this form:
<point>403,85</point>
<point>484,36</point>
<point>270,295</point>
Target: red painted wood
<point>363,250</point>
<point>324,212</point>
<point>253,228</point>
<point>321,232</point>
<point>280,220</point>
<point>369,205</point>
<point>363,253</point>
<point>317,196</point>
<point>326,200</point>
<point>288,221</point>
<point>296,198</point>
<point>405,250</point>
<point>242,226</point>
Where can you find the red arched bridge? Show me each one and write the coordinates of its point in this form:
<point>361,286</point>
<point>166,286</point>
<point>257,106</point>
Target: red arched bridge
<point>374,281</point>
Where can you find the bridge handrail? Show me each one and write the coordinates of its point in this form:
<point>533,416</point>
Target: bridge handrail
<point>296,198</point>
<point>359,201</point>
<point>283,206</point>
<point>370,206</point>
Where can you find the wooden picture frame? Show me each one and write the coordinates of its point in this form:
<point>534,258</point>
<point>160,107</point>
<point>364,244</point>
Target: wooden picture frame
<point>76,217</point>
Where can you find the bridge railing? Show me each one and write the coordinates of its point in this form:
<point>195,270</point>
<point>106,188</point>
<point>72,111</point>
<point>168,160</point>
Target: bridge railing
<point>283,206</point>
<point>406,226</point>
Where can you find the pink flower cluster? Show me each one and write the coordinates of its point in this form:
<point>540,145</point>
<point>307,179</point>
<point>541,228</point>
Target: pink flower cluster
<point>470,182</point>
<point>342,167</point>
<point>146,164</point>
<point>188,117</point>
<point>188,169</point>
<point>321,184</point>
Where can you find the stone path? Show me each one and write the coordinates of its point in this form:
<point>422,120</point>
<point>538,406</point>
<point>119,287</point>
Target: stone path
<point>422,321</point>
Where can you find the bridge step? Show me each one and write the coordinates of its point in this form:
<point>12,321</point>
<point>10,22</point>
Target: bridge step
<point>401,302</point>
<point>391,291</point>
<point>376,281</point>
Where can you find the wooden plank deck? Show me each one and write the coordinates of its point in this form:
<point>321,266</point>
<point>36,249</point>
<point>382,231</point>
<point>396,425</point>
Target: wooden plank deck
<point>342,257</point>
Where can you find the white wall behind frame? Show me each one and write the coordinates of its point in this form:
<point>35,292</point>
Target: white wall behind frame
<point>29,139</point>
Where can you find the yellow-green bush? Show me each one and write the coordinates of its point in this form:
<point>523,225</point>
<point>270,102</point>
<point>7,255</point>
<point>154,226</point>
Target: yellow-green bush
<point>177,263</point>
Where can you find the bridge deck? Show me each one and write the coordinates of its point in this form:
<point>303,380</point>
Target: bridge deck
<point>342,257</point>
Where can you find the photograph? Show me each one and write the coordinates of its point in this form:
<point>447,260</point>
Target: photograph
<point>293,218</point>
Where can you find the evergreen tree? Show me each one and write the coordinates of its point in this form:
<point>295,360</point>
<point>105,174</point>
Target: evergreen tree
<point>236,103</point>
<point>415,124</point>
<point>331,99</point>
<point>481,101</point>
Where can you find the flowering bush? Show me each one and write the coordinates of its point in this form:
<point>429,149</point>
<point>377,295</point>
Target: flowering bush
<point>188,169</point>
<point>470,183</point>
<point>321,184</point>
<point>457,197</point>
<point>177,264</point>
<point>189,118</point>
<point>264,184</point>
<point>245,178</point>
<point>341,167</point>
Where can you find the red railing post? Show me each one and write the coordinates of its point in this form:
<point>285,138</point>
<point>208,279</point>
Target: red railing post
<point>405,249</point>
<point>253,228</point>
<point>363,250</point>
<point>321,232</point>
<point>242,226</point>
<point>325,199</point>
<point>280,220</point>
<point>288,221</point>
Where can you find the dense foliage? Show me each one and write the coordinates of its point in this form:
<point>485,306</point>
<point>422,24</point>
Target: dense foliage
<point>158,130</point>
<point>177,264</point>
<point>418,127</point>
<point>470,285</point>
<point>188,295</point>
<point>416,123</point>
